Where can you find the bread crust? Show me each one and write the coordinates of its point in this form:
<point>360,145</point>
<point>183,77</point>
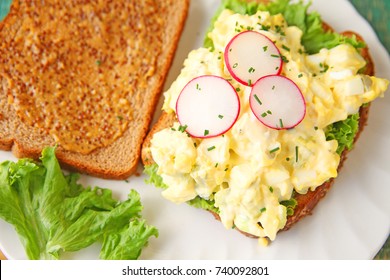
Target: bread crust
<point>305,202</point>
<point>118,160</point>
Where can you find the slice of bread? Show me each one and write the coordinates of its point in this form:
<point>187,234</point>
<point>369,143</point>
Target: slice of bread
<point>306,202</point>
<point>118,159</point>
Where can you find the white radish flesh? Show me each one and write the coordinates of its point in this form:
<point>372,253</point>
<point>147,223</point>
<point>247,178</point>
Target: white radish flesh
<point>207,106</point>
<point>277,102</point>
<point>251,55</point>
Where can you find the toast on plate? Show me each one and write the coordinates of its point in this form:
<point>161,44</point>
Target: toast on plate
<point>85,76</point>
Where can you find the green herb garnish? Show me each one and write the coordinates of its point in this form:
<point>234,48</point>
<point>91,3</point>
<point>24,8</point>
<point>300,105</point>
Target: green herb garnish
<point>281,123</point>
<point>258,99</point>
<point>211,148</point>
<point>182,128</point>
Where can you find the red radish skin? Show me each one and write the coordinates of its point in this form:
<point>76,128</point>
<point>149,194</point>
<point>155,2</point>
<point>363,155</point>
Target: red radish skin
<point>251,55</point>
<point>277,102</point>
<point>207,106</point>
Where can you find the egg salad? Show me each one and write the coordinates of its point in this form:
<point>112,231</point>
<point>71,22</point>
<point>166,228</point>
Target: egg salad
<point>249,171</point>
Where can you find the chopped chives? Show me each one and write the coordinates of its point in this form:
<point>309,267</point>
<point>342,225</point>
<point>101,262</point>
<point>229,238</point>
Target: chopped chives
<point>262,210</point>
<point>197,87</point>
<point>249,82</point>
<point>220,116</point>
<point>316,128</point>
<point>265,27</point>
<point>287,158</point>
<point>269,112</point>
<point>206,132</point>
<point>273,87</point>
<point>216,165</point>
<point>271,189</point>
<point>296,153</point>
<point>275,55</point>
<point>286,48</point>
<point>326,67</point>
<point>274,150</point>
<point>182,128</point>
<point>226,169</point>
<point>281,123</point>
<point>258,99</point>
<point>265,48</point>
<point>264,114</point>
<point>211,148</point>
<point>251,70</point>
<point>300,75</point>
<point>238,89</point>
<point>235,65</point>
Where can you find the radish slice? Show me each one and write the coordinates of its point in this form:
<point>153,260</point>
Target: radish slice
<point>207,106</point>
<point>277,102</point>
<point>250,56</point>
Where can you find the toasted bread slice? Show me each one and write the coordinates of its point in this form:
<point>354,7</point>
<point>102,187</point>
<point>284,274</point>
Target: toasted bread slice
<point>160,22</point>
<point>305,202</point>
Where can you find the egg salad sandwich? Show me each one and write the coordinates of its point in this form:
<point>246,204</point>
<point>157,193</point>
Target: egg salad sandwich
<point>259,121</point>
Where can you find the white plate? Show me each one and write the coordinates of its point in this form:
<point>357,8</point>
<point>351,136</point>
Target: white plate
<point>352,222</point>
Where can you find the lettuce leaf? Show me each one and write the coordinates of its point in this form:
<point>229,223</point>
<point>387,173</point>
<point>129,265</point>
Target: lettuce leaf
<point>157,181</point>
<point>154,178</point>
<point>52,213</point>
<point>344,132</point>
<point>314,37</point>
<point>290,205</point>
<point>202,203</point>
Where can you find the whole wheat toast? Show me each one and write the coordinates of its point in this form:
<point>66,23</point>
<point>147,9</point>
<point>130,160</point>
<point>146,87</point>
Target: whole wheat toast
<point>118,159</point>
<point>305,202</point>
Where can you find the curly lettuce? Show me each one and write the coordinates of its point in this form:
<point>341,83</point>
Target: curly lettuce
<point>157,181</point>
<point>315,36</point>
<point>53,214</point>
<point>344,132</point>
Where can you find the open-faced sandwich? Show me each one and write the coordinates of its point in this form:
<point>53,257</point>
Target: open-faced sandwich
<point>259,121</point>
